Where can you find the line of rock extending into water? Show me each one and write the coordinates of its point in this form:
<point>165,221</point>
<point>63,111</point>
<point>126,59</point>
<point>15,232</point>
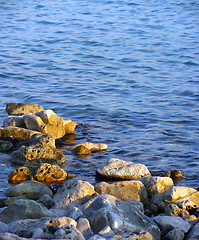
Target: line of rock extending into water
<point>48,203</point>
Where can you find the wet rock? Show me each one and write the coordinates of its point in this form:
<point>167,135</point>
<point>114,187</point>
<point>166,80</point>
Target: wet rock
<point>107,210</point>
<point>30,189</point>
<point>168,223</point>
<point>19,175</point>
<point>49,174</point>
<point>88,147</point>
<point>5,146</point>
<point>124,190</point>
<point>22,108</point>
<point>193,233</point>
<point>22,209</point>
<point>84,227</point>
<point>73,193</point>
<point>81,150</point>
<point>155,185</point>
<point>69,126</point>
<point>120,169</point>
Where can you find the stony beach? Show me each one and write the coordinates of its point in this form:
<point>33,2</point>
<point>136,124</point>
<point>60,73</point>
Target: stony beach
<point>46,202</point>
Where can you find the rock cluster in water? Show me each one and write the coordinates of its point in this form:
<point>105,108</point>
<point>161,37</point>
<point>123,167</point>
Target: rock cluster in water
<point>131,205</point>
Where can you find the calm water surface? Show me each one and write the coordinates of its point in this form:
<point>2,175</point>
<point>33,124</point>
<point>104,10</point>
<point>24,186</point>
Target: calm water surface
<point>126,71</point>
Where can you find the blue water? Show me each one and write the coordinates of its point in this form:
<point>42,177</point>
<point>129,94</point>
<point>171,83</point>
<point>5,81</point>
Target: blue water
<point>126,71</point>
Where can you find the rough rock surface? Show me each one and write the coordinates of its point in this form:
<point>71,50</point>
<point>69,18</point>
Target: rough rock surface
<point>5,146</point>
<point>14,121</point>
<point>22,209</point>
<point>107,210</point>
<point>30,189</point>
<point>69,126</point>
<point>193,233</point>
<point>156,185</point>
<point>50,174</point>
<point>88,147</point>
<point>120,169</point>
<point>19,175</point>
<point>124,190</point>
<point>22,108</point>
<point>73,193</point>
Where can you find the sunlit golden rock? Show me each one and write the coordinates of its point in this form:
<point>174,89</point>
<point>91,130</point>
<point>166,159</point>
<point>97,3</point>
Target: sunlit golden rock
<point>20,175</point>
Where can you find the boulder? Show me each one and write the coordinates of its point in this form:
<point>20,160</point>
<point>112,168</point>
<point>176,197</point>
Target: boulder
<point>50,174</point>
<point>30,189</point>
<point>54,125</point>
<point>120,169</point>
<point>124,190</point>
<point>84,227</point>
<point>22,108</point>
<point>107,210</point>
<point>33,122</point>
<point>19,175</point>
<point>69,126</point>
<point>14,121</point>
<point>23,209</point>
<point>178,192</point>
<point>193,234</point>
<point>168,223</point>
<point>5,146</point>
<point>156,185</point>
<point>73,193</point>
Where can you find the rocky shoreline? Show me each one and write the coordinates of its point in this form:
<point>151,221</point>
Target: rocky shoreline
<point>45,202</point>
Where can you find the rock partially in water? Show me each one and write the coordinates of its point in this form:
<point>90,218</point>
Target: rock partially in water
<point>30,189</point>
<point>155,185</point>
<point>107,210</point>
<point>19,175</point>
<point>22,209</point>
<point>120,169</point>
<point>73,193</point>
<point>87,148</point>
<point>49,174</point>
<point>124,190</point>
<point>174,174</point>
<point>5,146</point>
<point>69,126</point>
<point>22,108</point>
<point>81,150</point>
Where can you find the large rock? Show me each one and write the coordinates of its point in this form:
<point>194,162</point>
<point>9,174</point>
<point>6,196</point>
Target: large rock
<point>19,175</point>
<point>50,174</point>
<point>23,209</point>
<point>193,233</point>
<point>22,108</point>
<point>168,223</point>
<point>124,190</point>
<point>73,193</point>
<point>120,169</point>
<point>107,210</point>
<point>155,185</point>
<point>30,189</point>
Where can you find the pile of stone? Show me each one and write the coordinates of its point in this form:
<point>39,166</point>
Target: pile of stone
<point>128,203</point>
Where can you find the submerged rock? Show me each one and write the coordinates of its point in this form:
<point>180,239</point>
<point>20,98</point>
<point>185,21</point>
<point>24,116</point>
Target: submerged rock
<point>22,108</point>
<point>120,169</point>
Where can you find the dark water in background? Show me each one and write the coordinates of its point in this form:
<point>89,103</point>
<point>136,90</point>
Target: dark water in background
<point>126,71</point>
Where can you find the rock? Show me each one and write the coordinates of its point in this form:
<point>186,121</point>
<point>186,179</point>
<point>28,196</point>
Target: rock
<point>84,227</point>
<point>120,169</point>
<point>38,233</point>
<point>158,204</point>
<point>22,108</point>
<point>173,210</point>
<point>14,121</point>
<point>30,189</point>
<point>156,185</point>
<point>5,146</point>
<point>174,234</point>
<point>139,205</point>
<point>129,235</point>
<point>191,219</point>
<point>107,210</point>
<point>178,192</point>
<point>124,190</point>
<point>193,233</point>
<point>46,201</point>
<point>68,232</point>
<point>106,232</point>
<point>42,140</point>
<point>97,237</point>
<point>16,133</point>
<point>75,213</point>
<point>22,209</point>
<point>174,174</point>
<point>188,206</point>
<point>69,126</point>
<point>49,174</point>
<point>10,236</point>
<point>9,200</point>
<point>73,193</point>
<point>55,223</point>
<point>81,150</point>
<point>3,227</point>
<point>168,223</point>
<point>33,122</point>
<point>54,125</point>
<point>19,175</point>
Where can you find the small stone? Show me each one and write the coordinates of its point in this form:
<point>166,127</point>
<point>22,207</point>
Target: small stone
<point>75,213</point>
<point>174,174</point>
<point>69,126</point>
<point>38,233</point>
<point>81,150</point>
